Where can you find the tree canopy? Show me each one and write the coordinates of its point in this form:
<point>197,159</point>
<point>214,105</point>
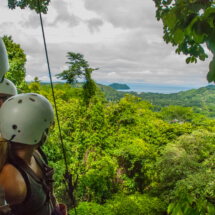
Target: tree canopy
<point>78,68</point>
<point>188,25</point>
<point>17,60</point>
<point>33,5</point>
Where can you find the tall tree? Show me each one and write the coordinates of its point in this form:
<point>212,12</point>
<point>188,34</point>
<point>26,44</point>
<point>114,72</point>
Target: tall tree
<point>78,68</point>
<point>188,25</point>
<point>33,5</point>
<point>17,60</point>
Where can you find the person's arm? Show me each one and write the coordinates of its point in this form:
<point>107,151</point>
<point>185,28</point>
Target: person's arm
<point>13,184</point>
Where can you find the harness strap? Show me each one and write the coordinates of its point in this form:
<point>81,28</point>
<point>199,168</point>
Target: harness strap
<point>43,155</point>
<point>24,169</point>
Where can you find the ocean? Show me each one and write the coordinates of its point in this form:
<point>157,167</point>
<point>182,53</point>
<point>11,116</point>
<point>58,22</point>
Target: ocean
<point>153,88</point>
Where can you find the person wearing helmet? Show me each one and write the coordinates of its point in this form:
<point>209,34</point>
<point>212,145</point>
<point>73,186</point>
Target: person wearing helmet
<point>7,89</point>
<point>4,63</point>
<point>26,177</point>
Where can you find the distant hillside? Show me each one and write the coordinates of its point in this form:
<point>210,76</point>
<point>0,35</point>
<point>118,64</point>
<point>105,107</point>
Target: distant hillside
<point>117,86</point>
<point>202,100</point>
<point>110,93</point>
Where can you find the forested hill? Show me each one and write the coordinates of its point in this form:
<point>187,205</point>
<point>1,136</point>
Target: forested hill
<point>202,99</point>
<point>119,86</point>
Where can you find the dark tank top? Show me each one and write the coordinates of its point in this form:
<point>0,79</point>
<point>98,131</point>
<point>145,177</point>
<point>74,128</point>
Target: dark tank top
<point>39,199</point>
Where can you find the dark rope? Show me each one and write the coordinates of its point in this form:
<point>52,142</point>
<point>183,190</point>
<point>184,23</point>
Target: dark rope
<point>50,76</point>
<point>68,176</point>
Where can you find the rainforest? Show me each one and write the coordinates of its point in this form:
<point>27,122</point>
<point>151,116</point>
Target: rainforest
<point>125,157</point>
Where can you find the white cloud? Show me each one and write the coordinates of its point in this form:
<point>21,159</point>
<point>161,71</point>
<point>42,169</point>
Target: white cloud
<point>122,38</point>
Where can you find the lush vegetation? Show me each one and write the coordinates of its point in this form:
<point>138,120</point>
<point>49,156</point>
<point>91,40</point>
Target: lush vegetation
<point>126,158</point>
<point>201,100</point>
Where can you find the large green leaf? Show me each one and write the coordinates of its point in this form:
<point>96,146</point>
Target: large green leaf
<point>211,73</point>
<point>178,36</point>
<point>211,41</point>
<point>211,209</point>
<point>170,20</point>
<point>170,207</point>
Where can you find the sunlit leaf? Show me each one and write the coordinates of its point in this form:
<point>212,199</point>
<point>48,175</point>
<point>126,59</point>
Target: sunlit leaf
<point>178,36</point>
<point>170,20</point>
<point>170,207</point>
<point>211,209</point>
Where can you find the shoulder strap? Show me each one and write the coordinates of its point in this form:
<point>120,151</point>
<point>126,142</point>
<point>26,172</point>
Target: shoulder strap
<point>43,155</point>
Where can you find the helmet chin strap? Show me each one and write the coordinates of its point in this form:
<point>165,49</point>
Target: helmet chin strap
<point>44,137</point>
<point>2,80</point>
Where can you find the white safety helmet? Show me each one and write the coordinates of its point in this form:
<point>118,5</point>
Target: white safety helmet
<point>7,87</point>
<point>4,64</point>
<point>25,118</point>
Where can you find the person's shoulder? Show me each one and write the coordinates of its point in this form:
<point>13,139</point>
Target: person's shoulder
<point>9,171</point>
<point>13,184</point>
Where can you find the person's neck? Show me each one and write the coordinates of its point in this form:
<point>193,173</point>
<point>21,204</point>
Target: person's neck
<point>26,153</point>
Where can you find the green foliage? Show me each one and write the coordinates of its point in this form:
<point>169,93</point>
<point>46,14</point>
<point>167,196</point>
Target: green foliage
<point>33,5</point>
<point>78,68</point>
<point>35,86</point>
<point>188,25</point>
<point>136,161</point>
<point>17,60</point>
<point>89,90</point>
<point>188,205</point>
<point>201,100</point>
<point>177,114</point>
<point>187,166</point>
<point>124,205</point>
<point>117,86</point>
<point>97,183</point>
<point>125,159</point>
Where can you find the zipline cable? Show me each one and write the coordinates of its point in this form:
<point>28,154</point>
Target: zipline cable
<point>61,138</point>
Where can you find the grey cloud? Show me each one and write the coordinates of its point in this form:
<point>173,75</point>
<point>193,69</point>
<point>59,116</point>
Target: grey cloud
<point>114,63</point>
<point>94,24</point>
<point>64,15</point>
<point>32,21</point>
<point>124,13</point>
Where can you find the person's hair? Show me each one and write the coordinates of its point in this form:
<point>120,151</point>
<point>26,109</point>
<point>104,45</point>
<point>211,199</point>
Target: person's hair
<point>8,148</point>
<point>3,153</point>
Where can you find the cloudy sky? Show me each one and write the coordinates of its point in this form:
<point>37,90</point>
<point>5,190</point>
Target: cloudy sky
<point>120,37</point>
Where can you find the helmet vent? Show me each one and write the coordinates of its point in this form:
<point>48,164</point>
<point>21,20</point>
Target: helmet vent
<point>10,99</point>
<point>14,126</point>
<point>7,83</point>
<point>45,120</point>
<point>32,99</point>
<point>20,101</point>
